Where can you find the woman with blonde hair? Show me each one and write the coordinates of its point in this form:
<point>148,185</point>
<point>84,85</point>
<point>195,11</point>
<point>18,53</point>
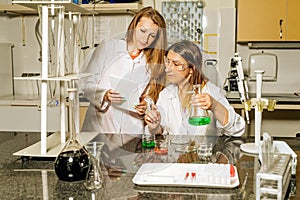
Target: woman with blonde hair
<point>140,58</point>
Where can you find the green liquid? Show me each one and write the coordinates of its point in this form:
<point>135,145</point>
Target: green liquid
<point>148,144</point>
<point>199,121</point>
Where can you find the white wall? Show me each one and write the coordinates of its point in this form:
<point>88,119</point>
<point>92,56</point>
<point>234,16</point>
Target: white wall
<point>288,80</point>
<point>26,53</point>
<point>21,32</point>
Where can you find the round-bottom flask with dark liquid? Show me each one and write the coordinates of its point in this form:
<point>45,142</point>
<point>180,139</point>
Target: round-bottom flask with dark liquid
<point>72,163</point>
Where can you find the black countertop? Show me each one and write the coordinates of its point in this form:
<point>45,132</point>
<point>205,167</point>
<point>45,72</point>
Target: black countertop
<point>35,178</point>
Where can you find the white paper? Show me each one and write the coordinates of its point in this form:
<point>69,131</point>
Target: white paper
<point>128,89</point>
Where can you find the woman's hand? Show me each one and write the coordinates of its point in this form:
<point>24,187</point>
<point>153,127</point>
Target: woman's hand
<point>152,118</point>
<point>141,108</point>
<point>113,96</point>
<point>203,101</point>
<point>206,102</point>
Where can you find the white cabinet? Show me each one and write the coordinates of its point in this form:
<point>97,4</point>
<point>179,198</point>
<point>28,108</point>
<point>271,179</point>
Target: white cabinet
<point>6,69</point>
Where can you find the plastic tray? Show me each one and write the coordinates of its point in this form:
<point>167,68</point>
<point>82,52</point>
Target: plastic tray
<point>186,175</point>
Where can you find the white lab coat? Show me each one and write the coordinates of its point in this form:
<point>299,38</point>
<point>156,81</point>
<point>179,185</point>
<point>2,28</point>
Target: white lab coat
<point>175,121</point>
<point>112,58</point>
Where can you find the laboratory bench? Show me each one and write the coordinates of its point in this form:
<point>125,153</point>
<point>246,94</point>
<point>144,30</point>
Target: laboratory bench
<point>17,108</point>
<point>287,101</point>
<point>35,178</point>
<point>283,121</point>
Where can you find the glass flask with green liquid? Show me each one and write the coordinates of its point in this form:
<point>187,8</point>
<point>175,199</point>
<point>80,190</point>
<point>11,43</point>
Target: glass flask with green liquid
<point>198,116</point>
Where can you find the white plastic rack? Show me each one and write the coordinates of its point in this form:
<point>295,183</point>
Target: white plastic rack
<point>273,183</point>
<point>281,147</point>
<point>48,146</point>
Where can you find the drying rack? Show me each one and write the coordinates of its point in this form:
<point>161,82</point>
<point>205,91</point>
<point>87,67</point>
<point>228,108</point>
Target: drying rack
<point>50,146</point>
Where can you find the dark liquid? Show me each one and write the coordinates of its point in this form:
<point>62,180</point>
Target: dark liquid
<point>72,165</point>
<point>199,121</point>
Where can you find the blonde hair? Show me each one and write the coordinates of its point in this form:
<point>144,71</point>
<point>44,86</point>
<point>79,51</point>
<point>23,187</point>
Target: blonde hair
<point>155,52</point>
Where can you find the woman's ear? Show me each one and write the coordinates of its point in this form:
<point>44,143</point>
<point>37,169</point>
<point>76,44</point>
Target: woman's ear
<point>192,69</point>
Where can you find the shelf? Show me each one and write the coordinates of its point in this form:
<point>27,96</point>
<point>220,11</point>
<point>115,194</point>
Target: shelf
<point>29,100</point>
<point>20,100</point>
<point>16,9</point>
<point>277,107</point>
<point>69,6</point>
<point>110,8</point>
<point>61,78</point>
<point>30,7</point>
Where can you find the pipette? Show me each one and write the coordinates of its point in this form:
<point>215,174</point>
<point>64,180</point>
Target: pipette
<point>242,84</point>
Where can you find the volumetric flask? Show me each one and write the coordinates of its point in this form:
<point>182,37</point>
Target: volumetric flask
<point>198,116</point>
<point>73,162</point>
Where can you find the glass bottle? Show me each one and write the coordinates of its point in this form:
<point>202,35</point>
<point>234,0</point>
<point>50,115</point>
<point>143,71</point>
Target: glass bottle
<point>198,116</point>
<point>72,163</point>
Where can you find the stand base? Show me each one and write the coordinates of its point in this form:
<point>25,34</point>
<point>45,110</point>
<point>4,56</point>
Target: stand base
<point>249,148</point>
<point>54,146</point>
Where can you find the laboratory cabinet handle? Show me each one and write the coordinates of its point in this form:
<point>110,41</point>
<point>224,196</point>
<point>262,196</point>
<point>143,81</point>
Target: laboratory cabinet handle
<point>280,26</point>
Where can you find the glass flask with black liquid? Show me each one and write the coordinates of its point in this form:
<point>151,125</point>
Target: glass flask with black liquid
<point>72,163</point>
<point>198,116</point>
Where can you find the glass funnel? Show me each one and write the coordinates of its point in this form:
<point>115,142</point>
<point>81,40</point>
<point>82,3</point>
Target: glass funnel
<point>198,116</point>
<point>72,163</point>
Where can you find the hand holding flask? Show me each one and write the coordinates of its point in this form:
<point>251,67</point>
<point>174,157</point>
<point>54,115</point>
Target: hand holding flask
<point>198,116</point>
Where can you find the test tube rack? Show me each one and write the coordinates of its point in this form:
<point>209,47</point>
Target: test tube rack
<point>273,183</point>
<point>281,147</point>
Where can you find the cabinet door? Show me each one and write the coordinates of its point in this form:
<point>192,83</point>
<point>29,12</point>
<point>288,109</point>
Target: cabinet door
<point>293,20</point>
<point>259,20</point>
<point>6,69</point>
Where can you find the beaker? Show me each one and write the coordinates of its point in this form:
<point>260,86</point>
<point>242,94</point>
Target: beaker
<point>148,141</point>
<point>73,162</point>
<point>205,151</point>
<point>198,116</point>
<point>161,147</point>
<point>94,179</point>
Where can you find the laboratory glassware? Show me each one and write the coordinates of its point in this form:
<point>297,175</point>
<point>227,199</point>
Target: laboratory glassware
<point>161,147</point>
<point>147,137</point>
<point>198,116</point>
<point>73,162</point>
<point>148,141</point>
<point>205,151</point>
<point>94,179</point>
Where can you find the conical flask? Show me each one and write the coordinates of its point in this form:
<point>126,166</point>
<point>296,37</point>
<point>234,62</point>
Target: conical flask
<point>198,116</point>
<point>72,163</point>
